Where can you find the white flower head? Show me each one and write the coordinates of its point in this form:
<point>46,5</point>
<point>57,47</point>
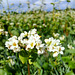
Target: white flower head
<point>56,35</point>
<point>32,32</point>
<point>14,44</point>
<point>70,46</point>
<point>25,33</point>
<point>31,44</point>
<point>55,54</point>
<point>2,31</point>
<point>11,39</point>
<point>16,49</point>
<point>62,37</point>
<point>8,44</point>
<point>6,33</point>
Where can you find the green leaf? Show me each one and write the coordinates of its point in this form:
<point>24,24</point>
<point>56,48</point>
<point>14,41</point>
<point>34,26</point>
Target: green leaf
<point>17,73</point>
<point>23,56</point>
<point>45,66</point>
<point>66,58</point>
<point>1,48</point>
<point>70,51</point>
<point>52,3</point>
<point>4,72</point>
<point>72,64</point>
<point>15,32</point>
<point>33,56</point>
<point>36,65</point>
<point>68,0</point>
<point>69,73</point>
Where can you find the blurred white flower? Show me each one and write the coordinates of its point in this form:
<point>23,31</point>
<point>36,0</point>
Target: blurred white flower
<point>11,62</point>
<point>8,44</point>
<point>54,46</point>
<point>16,49</point>
<point>70,46</point>
<point>73,41</point>
<point>14,37</point>
<point>56,35</point>
<point>34,24</point>
<point>31,44</point>
<point>31,32</point>
<point>6,33</point>
<point>55,54</point>
<point>2,31</point>
<point>11,24</point>
<point>12,44</point>
<point>59,51</point>
<point>62,37</point>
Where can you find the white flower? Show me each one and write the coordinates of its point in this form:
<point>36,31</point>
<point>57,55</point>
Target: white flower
<point>55,42</point>
<point>49,41</point>
<point>62,37</point>
<point>51,48</point>
<point>11,57</point>
<point>58,51</point>
<point>56,34</point>
<point>36,37</point>
<point>8,44</point>
<point>11,24</point>
<point>24,41</point>
<point>16,49</point>
<point>54,46</point>
<point>14,37</point>
<point>6,33</point>
<point>14,44</point>
<point>32,32</point>
<point>39,44</point>
<point>40,52</point>
<point>31,44</point>
<point>25,33</point>
<point>55,54</point>
<point>52,42</point>
<point>70,46</point>
<point>73,41</point>
<point>22,35</point>
<point>34,24</point>
<point>2,31</point>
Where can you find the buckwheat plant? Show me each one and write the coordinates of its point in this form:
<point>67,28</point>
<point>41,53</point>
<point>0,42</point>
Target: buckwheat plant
<point>27,44</point>
<point>54,46</point>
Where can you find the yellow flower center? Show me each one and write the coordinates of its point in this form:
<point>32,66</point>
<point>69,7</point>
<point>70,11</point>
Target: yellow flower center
<point>55,44</point>
<point>14,44</point>
<point>59,49</point>
<point>32,44</point>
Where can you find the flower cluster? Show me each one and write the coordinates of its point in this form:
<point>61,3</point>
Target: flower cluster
<point>3,32</point>
<point>56,35</point>
<point>54,46</point>
<point>31,40</point>
<point>12,44</point>
<point>70,46</point>
<point>28,40</point>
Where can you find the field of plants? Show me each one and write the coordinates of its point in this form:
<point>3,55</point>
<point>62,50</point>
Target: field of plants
<point>37,43</point>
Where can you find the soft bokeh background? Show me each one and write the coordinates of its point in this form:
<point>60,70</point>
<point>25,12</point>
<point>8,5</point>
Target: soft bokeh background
<point>21,5</point>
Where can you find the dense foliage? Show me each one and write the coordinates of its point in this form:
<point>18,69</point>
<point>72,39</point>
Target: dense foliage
<point>57,24</point>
